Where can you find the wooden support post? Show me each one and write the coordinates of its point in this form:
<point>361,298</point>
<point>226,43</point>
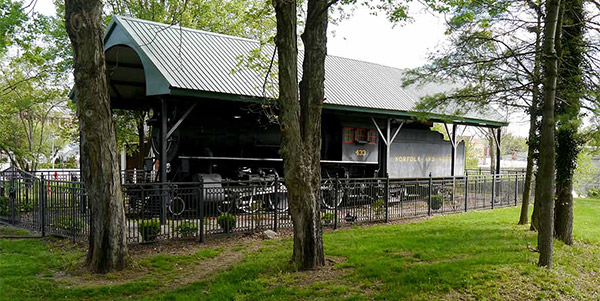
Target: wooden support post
<point>388,145</point>
<point>498,151</point>
<point>453,159</point>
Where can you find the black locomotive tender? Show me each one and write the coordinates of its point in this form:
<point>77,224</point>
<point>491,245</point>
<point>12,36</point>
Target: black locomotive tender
<point>208,123</point>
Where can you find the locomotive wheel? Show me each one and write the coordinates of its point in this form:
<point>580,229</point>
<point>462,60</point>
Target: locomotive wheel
<point>278,201</point>
<point>172,143</point>
<point>328,195</point>
<point>249,203</point>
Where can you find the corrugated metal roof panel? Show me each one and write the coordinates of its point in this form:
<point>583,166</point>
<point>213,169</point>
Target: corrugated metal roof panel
<point>203,61</point>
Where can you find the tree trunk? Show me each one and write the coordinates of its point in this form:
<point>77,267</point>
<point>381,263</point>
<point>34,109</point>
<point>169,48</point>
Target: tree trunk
<point>570,90</point>
<point>99,153</point>
<point>532,140</point>
<point>535,216</point>
<point>547,145</point>
<point>300,122</point>
<point>523,219</point>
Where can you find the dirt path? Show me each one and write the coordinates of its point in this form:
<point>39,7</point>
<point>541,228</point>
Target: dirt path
<point>201,270</point>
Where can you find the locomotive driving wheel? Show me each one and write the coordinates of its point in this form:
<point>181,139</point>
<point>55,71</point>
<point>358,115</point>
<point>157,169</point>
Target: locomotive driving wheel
<point>332,195</point>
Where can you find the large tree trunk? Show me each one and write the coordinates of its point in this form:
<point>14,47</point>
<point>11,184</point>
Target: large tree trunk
<point>532,140</point>
<point>547,145</point>
<point>300,121</point>
<point>99,153</point>
<point>570,89</point>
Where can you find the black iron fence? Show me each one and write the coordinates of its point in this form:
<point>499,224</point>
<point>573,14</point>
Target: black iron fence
<point>54,207</point>
<point>156,211</point>
<point>74,175</point>
<point>487,170</point>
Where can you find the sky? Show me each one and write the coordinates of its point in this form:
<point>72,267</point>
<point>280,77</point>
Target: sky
<point>374,39</point>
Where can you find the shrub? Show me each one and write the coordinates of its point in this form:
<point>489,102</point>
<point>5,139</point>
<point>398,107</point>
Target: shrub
<point>149,229</point>
<point>226,221</point>
<point>436,201</point>
<point>186,229</point>
<point>27,207</point>
<point>68,223</point>
<point>327,217</point>
<point>594,193</point>
<point>379,207</point>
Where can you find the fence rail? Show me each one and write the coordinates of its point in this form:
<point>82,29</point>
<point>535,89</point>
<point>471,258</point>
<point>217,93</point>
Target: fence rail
<point>127,176</point>
<point>156,211</point>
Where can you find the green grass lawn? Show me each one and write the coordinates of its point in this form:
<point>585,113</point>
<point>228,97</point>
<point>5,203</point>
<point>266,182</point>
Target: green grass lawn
<point>476,255</point>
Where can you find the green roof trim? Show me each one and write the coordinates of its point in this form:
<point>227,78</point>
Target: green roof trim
<point>431,116</point>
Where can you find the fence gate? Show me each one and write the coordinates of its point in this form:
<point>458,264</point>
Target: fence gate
<point>19,199</point>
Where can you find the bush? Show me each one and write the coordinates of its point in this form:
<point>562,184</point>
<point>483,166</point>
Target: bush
<point>149,229</point>
<point>27,207</point>
<point>436,201</point>
<point>68,223</point>
<point>593,193</point>
<point>327,217</point>
<point>379,207</point>
<point>226,221</point>
<point>186,229</point>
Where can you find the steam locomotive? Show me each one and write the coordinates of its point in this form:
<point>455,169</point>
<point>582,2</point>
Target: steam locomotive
<point>241,143</point>
<point>225,142</point>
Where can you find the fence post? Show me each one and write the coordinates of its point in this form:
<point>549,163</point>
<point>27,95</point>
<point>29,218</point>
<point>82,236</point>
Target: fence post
<point>201,201</point>
<point>453,196</point>
<point>82,196</point>
<point>430,192</point>
<point>493,189</point>
<point>42,206</point>
<point>276,200</point>
<point>387,197</point>
<point>466,192</point>
<point>516,188</point>
<point>12,199</point>
<point>71,201</point>
<point>164,192</point>
<point>335,201</point>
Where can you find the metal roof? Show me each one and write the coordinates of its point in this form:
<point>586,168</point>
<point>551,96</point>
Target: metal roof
<point>185,61</point>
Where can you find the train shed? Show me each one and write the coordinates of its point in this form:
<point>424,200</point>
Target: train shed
<point>209,108</point>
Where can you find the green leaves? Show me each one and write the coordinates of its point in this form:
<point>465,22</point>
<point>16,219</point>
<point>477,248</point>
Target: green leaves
<point>11,17</point>
<point>252,19</point>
